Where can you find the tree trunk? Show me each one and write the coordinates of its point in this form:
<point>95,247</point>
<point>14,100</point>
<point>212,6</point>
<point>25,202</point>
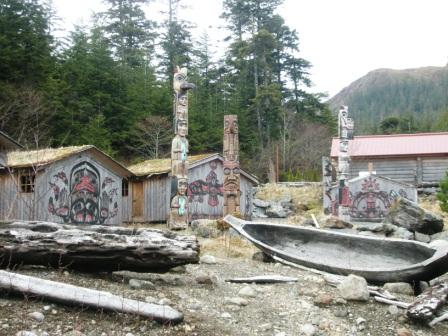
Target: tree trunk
<point>427,304</point>
<point>75,295</point>
<point>94,248</point>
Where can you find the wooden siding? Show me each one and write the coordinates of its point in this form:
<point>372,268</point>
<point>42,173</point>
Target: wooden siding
<point>36,206</point>
<point>403,170</point>
<point>206,199</point>
<point>434,169</point>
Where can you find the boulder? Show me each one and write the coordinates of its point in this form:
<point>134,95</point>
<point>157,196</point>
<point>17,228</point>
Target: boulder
<point>334,222</point>
<point>277,211</point>
<point>260,203</point>
<point>411,216</point>
<point>354,288</point>
<point>205,228</point>
<point>440,236</point>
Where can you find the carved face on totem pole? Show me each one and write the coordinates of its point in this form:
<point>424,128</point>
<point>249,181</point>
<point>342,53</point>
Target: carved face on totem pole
<point>231,144</point>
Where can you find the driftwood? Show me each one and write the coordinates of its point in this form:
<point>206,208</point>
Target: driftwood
<point>264,279</point>
<point>428,304</point>
<point>94,248</point>
<point>74,295</point>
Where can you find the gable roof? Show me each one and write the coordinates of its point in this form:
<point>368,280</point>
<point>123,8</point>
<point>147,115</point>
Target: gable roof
<point>46,156</point>
<point>9,142</point>
<point>395,145</point>
<point>163,166</point>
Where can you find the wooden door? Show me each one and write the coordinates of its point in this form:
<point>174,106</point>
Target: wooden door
<point>137,200</point>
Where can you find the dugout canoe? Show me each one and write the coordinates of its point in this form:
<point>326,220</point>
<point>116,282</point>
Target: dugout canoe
<point>378,260</point>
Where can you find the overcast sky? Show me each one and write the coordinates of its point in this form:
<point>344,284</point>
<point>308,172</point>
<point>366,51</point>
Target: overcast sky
<point>343,39</point>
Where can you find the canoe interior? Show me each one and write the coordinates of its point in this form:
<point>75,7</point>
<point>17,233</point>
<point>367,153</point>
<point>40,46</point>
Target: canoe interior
<point>340,251</point>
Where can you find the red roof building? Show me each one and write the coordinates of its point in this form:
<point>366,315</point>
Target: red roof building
<point>414,158</point>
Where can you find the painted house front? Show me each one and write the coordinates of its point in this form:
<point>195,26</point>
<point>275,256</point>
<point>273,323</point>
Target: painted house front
<point>78,185</point>
<point>151,189</point>
<point>417,159</point>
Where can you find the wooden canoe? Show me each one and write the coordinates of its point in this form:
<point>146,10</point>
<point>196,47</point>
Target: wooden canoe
<point>378,260</point>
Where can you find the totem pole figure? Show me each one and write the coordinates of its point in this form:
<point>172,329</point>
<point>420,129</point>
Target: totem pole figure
<point>326,184</point>
<point>231,165</point>
<point>178,217</point>
<point>345,131</point>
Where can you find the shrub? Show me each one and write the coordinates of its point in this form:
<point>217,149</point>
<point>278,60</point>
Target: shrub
<point>442,196</point>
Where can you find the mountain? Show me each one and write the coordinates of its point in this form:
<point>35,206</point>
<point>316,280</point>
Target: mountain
<point>420,94</point>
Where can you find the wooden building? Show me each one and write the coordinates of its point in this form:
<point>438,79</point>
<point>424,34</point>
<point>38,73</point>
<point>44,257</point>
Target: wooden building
<point>150,189</point>
<point>79,185</point>
<point>418,159</point>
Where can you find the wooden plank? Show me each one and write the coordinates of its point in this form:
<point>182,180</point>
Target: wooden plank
<point>137,200</point>
<point>75,295</point>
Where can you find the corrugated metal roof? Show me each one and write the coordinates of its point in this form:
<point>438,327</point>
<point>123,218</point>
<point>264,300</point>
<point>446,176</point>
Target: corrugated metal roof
<point>395,145</point>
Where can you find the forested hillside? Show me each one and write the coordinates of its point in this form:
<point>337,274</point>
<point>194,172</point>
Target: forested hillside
<point>111,85</point>
<point>398,101</point>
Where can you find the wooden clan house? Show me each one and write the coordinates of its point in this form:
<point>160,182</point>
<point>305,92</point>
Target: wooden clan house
<point>418,159</point>
<point>78,185</point>
<point>150,188</point>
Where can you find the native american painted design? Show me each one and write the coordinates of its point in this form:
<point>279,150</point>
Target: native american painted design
<point>178,218</point>
<point>199,189</point>
<point>83,199</point>
<point>231,166</point>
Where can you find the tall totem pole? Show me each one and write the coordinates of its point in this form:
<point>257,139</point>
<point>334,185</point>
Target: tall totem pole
<point>231,166</point>
<point>345,132</point>
<point>178,217</point>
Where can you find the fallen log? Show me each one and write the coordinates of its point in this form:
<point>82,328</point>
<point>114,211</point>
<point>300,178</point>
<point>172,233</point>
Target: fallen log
<point>75,295</point>
<point>94,248</point>
<point>264,279</point>
<point>429,303</point>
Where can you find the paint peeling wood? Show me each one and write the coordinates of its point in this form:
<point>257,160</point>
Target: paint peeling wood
<point>94,248</point>
<point>75,295</point>
<point>428,304</point>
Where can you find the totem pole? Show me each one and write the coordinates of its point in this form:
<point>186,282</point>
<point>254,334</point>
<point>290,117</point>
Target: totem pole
<point>326,184</point>
<point>345,132</point>
<point>178,216</point>
<point>231,164</point>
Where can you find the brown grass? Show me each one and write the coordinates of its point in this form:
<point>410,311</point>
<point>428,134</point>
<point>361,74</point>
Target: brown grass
<point>430,203</point>
<point>226,246</point>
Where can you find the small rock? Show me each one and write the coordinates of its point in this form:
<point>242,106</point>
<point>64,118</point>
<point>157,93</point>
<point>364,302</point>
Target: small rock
<point>261,256</point>
<point>247,291</point>
<point>266,326</point>
<point>54,311</point>
<point>74,333</point>
<point>47,308</point>
<point>178,269</point>
<point>204,280</point>
<point>141,284</point>
<point>421,237</point>
<point>236,301</point>
<point>399,288</point>
<point>25,333</point>
<point>360,320</point>
<point>129,334</point>
<point>393,310</point>
<point>404,332</point>
<point>208,259</point>
<point>354,288</point>
<point>37,316</point>
<point>308,329</point>
<point>226,316</point>
<point>151,299</point>
<point>323,299</point>
<point>282,333</point>
<point>260,203</point>
<point>341,312</point>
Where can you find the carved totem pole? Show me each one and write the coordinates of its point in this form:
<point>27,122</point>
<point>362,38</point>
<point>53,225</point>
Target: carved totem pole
<point>231,166</point>
<point>345,130</point>
<point>178,216</point>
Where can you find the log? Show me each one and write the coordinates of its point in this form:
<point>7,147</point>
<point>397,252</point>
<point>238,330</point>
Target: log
<point>429,303</point>
<point>75,295</point>
<point>94,248</point>
<point>264,279</point>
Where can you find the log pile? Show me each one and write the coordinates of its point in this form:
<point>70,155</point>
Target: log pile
<point>94,248</point>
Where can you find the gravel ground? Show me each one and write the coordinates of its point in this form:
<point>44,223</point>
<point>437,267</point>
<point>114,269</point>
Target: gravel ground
<point>212,307</point>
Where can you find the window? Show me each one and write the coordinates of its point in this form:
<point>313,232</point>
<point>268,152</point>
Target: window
<point>124,188</point>
<point>27,182</point>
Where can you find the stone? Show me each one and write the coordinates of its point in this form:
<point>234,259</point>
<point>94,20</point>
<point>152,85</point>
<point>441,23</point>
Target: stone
<point>205,228</point>
<point>260,203</point>
<point>404,332</point>
<point>277,211</point>
<point>308,329</point>
<point>341,312</point>
<point>165,302</point>
<point>236,301</point>
<point>372,227</point>
<point>400,232</point>
<point>323,299</point>
<point>141,284</point>
<point>411,216</point>
<point>247,291</point>
<point>399,288</point>
<point>226,316</point>
<point>37,316</point>
<point>205,279</point>
<point>333,222</point>
<point>151,299</point>
<point>393,310</point>
<point>179,269</point>
<point>354,288</point>
<point>25,333</point>
<point>440,236</point>
<point>422,237</point>
<point>208,259</point>
<point>261,256</point>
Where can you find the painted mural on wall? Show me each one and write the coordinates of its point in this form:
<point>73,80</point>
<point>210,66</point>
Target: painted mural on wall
<point>370,197</point>
<point>83,198</point>
<point>208,191</point>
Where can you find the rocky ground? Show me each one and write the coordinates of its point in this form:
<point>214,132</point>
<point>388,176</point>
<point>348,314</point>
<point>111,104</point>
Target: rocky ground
<point>210,305</point>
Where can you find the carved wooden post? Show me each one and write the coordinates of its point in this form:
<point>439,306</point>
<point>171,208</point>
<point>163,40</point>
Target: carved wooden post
<point>345,130</point>
<point>178,217</point>
<point>231,166</point>
<point>326,185</point>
